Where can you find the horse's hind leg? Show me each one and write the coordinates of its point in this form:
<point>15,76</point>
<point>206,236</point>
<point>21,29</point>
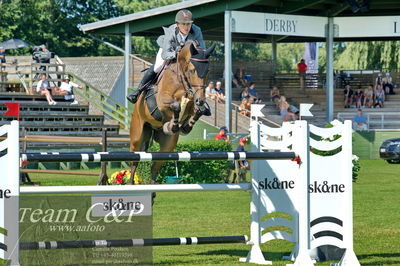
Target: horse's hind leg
<point>140,133</point>
<point>167,144</point>
<point>172,126</point>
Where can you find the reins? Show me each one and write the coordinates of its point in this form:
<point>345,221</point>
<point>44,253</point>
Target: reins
<point>187,85</point>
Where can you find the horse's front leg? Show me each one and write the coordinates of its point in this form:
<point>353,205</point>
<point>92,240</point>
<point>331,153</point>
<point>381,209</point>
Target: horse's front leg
<point>172,127</point>
<point>188,125</point>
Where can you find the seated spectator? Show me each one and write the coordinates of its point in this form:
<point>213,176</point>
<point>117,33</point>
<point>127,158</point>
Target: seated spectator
<point>219,92</point>
<point>348,96</point>
<point>360,121</point>
<point>275,95</point>
<point>243,107</point>
<point>210,91</point>
<point>358,97</point>
<point>284,110</point>
<point>222,135</point>
<point>369,96</point>
<point>387,83</point>
<point>236,79</point>
<point>379,96</point>
<point>378,80</point>
<point>43,88</point>
<point>294,109</point>
<point>245,93</point>
<point>67,89</point>
<point>253,93</point>
<point>2,57</point>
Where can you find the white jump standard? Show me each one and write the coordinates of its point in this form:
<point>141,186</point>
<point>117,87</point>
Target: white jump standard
<point>315,192</point>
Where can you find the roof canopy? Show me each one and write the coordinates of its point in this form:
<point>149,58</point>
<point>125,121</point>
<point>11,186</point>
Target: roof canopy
<point>209,15</point>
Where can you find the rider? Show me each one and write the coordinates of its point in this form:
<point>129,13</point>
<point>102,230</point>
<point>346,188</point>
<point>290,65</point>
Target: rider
<point>170,43</point>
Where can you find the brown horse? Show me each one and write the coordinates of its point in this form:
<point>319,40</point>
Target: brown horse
<point>180,100</point>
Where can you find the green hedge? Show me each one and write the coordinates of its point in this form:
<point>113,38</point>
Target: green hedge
<point>191,172</point>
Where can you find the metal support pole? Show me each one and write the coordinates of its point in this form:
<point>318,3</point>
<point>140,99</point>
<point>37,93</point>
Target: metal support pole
<point>228,69</point>
<point>236,119</point>
<point>127,52</point>
<point>329,70</point>
<point>215,113</point>
<point>274,57</point>
<point>103,174</point>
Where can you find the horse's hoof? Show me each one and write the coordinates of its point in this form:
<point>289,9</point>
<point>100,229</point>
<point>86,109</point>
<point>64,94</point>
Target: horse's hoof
<point>175,129</point>
<point>184,130</point>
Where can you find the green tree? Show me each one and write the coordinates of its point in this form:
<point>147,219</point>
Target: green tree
<point>382,55</point>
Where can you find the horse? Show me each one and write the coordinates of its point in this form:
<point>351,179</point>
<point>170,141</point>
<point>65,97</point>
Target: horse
<point>180,102</point>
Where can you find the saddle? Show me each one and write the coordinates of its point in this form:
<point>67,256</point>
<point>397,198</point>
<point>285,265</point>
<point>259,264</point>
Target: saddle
<point>150,97</point>
<point>151,92</point>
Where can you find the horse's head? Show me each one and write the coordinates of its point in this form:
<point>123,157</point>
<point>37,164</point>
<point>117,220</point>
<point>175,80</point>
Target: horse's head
<point>194,62</point>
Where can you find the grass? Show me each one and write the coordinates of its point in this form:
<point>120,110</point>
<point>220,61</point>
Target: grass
<point>376,220</point>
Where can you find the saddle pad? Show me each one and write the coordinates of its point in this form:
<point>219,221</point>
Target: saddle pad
<point>150,96</point>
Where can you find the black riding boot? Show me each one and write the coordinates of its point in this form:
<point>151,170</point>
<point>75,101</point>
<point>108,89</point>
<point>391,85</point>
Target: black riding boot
<point>147,78</point>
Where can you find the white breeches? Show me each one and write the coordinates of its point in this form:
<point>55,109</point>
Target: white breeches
<point>159,62</point>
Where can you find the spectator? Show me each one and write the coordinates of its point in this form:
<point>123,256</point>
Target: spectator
<point>243,107</point>
<point>378,80</point>
<point>348,96</point>
<point>302,69</point>
<point>379,96</point>
<point>249,103</point>
<point>294,109</point>
<point>387,83</point>
<point>2,57</point>
<point>245,93</point>
<point>222,135</point>
<point>358,97</point>
<point>67,89</point>
<point>219,92</point>
<point>284,110</point>
<point>237,77</point>
<point>369,96</point>
<point>43,88</point>
<point>275,95</point>
<point>3,76</point>
<point>360,121</point>
<point>241,165</point>
<point>253,93</point>
<point>210,91</point>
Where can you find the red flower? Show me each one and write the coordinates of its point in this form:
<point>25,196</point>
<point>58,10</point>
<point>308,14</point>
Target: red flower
<point>119,179</point>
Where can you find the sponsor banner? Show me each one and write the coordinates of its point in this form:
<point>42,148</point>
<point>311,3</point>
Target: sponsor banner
<point>277,24</point>
<point>68,218</point>
<point>120,205</point>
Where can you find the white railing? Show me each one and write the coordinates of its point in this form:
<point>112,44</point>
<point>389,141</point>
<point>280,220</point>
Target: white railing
<point>382,120</point>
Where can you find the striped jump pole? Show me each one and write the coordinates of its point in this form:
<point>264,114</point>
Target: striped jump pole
<point>153,156</point>
<point>133,242</point>
<point>135,188</point>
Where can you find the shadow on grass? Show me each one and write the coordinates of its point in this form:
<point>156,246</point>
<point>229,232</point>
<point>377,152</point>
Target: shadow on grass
<point>277,256</point>
<point>380,259</point>
<point>243,253</point>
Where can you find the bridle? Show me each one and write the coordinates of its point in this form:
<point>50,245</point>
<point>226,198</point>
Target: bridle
<point>187,85</point>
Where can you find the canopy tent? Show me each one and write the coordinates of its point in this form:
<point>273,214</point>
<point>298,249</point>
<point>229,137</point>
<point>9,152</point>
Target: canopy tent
<point>215,19</point>
<point>13,44</point>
